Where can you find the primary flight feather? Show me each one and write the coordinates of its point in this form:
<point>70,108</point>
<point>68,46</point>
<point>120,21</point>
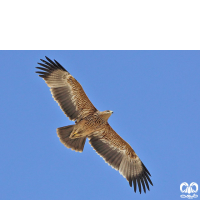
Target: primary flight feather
<point>92,124</point>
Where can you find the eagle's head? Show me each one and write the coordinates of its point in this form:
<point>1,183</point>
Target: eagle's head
<point>106,114</point>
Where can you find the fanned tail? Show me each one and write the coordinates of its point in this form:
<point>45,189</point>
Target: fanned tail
<point>74,144</point>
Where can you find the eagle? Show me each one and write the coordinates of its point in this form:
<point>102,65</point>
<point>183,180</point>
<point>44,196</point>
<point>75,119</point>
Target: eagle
<point>92,124</point>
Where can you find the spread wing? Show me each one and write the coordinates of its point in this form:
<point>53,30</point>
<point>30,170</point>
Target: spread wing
<point>66,90</point>
<point>119,154</point>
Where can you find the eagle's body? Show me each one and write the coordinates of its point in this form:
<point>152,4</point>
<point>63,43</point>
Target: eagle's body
<point>92,124</point>
<point>86,126</point>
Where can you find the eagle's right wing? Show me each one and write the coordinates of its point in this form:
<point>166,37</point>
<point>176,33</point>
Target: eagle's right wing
<point>66,90</point>
<point>119,154</point>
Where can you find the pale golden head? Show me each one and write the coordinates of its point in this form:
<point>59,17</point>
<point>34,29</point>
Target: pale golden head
<point>106,114</point>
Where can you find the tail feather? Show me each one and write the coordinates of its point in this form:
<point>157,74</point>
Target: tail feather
<point>74,144</point>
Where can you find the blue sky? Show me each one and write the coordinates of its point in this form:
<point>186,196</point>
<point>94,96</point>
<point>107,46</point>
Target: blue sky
<point>155,96</point>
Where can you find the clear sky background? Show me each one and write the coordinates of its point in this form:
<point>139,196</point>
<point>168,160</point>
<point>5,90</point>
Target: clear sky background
<point>155,96</point>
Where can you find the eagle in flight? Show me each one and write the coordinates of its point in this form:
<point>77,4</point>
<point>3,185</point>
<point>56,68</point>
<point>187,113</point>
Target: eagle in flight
<point>92,124</point>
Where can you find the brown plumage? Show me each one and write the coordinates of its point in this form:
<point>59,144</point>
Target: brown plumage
<point>92,124</point>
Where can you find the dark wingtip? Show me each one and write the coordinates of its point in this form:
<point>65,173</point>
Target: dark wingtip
<point>135,186</point>
<point>58,64</point>
<point>143,185</point>
<point>141,181</point>
<point>139,184</point>
<point>48,66</point>
<point>130,182</point>
<point>49,60</point>
<point>146,169</point>
<point>151,182</point>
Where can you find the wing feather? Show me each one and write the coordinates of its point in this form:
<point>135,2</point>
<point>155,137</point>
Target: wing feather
<point>119,154</point>
<point>66,90</point>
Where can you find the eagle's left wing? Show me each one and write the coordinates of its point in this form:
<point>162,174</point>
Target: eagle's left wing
<point>119,154</point>
<point>66,90</point>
